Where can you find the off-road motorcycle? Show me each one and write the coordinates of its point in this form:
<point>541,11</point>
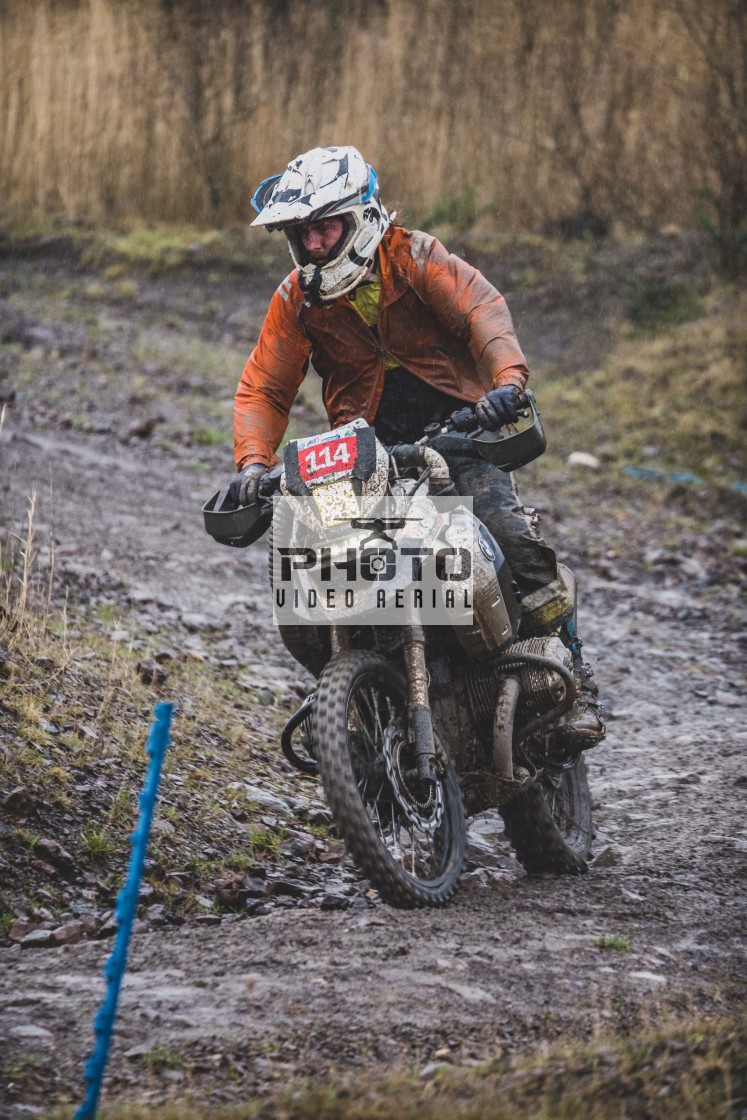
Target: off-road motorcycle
<point>414,728</point>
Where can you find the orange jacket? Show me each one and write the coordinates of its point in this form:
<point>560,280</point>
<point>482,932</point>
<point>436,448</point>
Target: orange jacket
<point>438,317</point>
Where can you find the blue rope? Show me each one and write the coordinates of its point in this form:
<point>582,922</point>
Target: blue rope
<point>158,741</point>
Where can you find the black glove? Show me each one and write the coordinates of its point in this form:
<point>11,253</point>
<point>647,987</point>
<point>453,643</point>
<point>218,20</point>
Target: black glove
<point>497,407</point>
<point>245,484</point>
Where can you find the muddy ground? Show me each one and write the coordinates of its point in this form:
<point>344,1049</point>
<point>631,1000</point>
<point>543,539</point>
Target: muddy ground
<point>655,931</point>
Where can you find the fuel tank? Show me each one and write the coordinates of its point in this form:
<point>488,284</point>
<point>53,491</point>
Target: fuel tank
<point>495,600</point>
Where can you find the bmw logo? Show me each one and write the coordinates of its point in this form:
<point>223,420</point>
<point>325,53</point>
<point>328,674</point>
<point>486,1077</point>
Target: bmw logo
<point>486,547</point>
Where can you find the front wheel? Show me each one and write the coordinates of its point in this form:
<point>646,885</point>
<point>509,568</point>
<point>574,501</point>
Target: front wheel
<point>407,837</point>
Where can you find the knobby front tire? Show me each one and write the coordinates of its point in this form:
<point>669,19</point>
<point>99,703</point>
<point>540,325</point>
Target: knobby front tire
<point>408,842</point>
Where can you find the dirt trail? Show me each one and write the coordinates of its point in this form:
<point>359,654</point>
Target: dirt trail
<point>514,961</point>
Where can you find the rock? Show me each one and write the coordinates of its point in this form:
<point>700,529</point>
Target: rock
<point>32,1032</point>
<point>728,699</point>
<point>69,933</point>
<point>431,1070</point>
<point>267,800</point>
<point>256,887</point>
<point>90,923</point>
<point>37,939</point>
<point>333,853</point>
<point>138,1051</point>
<point>255,907</point>
<point>19,802</point>
<point>205,903</point>
<point>649,977</point>
<point>141,429</point>
<point>43,868</point>
<point>21,928</point>
<point>165,828</point>
<point>298,845</point>
<point>51,850</point>
<point>119,636</point>
<point>208,920</point>
<point>194,621</point>
<point>157,915</point>
<point>607,857</point>
<point>107,927</point>
<point>583,459</point>
<point>44,663</point>
<point>332,900</point>
<point>320,815</point>
<point>288,887</point>
<point>150,672</point>
<point>267,696</point>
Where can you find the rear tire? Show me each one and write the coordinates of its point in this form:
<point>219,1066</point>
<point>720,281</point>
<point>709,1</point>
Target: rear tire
<point>408,841</point>
<point>550,825</point>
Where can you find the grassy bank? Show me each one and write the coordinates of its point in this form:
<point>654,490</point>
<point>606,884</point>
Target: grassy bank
<point>696,1072</point>
<point>79,683</point>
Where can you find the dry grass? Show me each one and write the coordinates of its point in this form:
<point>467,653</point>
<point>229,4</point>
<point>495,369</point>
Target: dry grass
<point>75,716</point>
<point>667,1073</point>
<point>528,111</point>
<point>671,398</point>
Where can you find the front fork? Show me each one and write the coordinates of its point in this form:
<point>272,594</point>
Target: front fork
<point>418,705</point>
<point>429,758</point>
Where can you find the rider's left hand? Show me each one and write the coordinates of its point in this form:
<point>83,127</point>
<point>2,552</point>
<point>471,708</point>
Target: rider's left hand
<point>244,487</point>
<point>497,408</point>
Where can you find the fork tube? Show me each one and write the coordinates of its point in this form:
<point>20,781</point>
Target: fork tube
<point>421,723</point>
<point>339,638</point>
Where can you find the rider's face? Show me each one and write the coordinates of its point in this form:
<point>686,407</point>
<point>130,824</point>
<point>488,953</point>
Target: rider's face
<point>318,238</point>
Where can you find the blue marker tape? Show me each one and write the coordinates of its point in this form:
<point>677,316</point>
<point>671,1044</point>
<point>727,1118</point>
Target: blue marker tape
<point>158,741</point>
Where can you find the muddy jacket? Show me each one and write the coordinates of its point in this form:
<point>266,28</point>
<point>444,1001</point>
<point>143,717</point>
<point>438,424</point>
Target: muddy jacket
<point>439,318</point>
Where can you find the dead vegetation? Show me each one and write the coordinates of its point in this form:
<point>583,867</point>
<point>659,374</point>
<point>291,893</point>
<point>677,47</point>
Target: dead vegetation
<point>77,697</point>
<point>595,111</point>
<point>661,1073</point>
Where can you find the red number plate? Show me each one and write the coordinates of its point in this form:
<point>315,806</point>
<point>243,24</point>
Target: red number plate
<point>328,459</point>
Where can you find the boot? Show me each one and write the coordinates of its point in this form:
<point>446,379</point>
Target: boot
<point>550,611</point>
<point>583,726</point>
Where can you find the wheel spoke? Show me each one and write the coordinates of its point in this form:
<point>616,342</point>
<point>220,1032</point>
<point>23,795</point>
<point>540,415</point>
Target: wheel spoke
<point>419,835</point>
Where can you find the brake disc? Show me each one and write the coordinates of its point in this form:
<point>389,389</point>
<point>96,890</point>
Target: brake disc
<point>425,812</point>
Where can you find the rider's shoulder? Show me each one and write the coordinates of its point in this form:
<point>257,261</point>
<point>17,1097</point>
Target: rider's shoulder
<point>411,245</point>
<point>289,290</point>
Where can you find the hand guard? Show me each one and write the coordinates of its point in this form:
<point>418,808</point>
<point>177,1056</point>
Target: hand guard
<point>497,408</point>
<point>245,485</point>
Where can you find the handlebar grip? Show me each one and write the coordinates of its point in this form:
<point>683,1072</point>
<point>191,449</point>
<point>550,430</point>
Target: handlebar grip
<point>463,420</point>
<point>269,484</point>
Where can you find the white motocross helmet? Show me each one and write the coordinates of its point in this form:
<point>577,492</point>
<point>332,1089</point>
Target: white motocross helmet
<point>323,183</point>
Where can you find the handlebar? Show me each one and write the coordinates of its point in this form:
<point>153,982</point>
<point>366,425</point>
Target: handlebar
<point>463,420</point>
<point>508,450</point>
<point>269,483</point>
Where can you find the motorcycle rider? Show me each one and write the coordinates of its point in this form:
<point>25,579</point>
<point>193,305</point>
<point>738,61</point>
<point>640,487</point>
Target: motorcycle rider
<point>402,333</point>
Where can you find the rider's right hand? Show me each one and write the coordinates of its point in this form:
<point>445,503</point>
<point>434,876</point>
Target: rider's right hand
<point>497,407</point>
<point>244,485</point>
